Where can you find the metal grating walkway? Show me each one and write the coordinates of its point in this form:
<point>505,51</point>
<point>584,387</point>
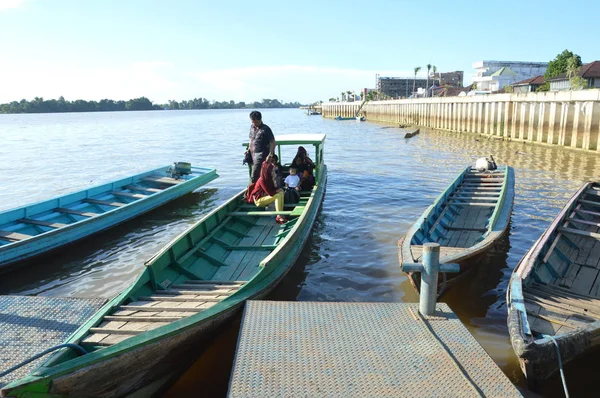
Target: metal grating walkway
<point>321,349</point>
<point>30,325</point>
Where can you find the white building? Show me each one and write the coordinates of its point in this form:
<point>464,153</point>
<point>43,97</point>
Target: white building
<point>493,75</point>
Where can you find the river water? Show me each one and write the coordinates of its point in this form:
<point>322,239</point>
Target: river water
<point>379,183</point>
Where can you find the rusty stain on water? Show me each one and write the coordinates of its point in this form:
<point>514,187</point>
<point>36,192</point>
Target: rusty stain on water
<point>378,184</point>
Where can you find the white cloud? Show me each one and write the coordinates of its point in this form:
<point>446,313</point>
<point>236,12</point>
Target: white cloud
<point>161,81</point>
<point>5,4</point>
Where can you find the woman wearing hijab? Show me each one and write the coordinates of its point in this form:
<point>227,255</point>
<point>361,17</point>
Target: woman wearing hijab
<point>265,190</point>
<point>305,167</point>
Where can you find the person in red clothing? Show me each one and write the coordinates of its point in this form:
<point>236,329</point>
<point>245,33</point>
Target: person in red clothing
<point>265,190</point>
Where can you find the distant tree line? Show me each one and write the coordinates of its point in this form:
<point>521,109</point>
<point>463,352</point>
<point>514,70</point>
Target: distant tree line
<point>39,105</point>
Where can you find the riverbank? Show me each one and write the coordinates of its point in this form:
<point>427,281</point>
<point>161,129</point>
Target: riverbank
<point>566,118</point>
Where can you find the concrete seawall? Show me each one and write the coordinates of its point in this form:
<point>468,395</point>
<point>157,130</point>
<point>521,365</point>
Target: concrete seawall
<point>565,118</point>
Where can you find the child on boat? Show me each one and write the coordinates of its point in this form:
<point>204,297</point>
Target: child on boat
<point>292,187</point>
<point>265,191</point>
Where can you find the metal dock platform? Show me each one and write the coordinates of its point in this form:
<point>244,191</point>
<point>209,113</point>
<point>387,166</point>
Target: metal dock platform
<point>30,325</point>
<point>317,349</point>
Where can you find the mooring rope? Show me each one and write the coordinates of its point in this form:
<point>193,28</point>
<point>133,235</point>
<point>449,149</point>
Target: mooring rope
<point>562,373</point>
<point>454,361</point>
<point>41,354</point>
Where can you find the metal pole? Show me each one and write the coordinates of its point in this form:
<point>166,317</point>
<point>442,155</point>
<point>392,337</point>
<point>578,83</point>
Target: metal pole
<point>429,270</point>
<point>429,278</point>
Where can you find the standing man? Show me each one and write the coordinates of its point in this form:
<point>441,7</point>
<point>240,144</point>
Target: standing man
<point>262,143</point>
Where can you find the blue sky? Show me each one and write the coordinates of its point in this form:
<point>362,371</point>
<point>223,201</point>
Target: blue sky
<point>249,50</point>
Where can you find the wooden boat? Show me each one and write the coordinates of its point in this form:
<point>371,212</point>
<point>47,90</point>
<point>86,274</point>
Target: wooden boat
<point>154,329</point>
<point>466,219</point>
<point>411,134</point>
<point>36,228</point>
<point>344,118</point>
<point>554,292</point>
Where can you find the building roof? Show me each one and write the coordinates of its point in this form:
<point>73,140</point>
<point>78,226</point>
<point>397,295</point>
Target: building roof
<point>532,80</point>
<point>504,71</point>
<point>587,71</point>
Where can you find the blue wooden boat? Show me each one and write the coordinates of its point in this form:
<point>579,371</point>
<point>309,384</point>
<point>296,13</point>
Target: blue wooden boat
<point>466,219</point>
<point>554,292</point>
<point>36,228</point>
<point>156,328</point>
<point>344,118</point>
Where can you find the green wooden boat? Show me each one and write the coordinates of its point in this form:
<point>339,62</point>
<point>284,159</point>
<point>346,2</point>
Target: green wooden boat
<point>154,329</point>
<point>466,219</point>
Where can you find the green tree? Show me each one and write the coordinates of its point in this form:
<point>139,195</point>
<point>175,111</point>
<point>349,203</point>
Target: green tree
<point>417,69</point>
<point>434,72</point>
<point>559,64</point>
<point>578,83</point>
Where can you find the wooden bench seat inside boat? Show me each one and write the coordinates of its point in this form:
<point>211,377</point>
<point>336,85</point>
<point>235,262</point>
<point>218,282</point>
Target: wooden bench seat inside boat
<point>159,309</point>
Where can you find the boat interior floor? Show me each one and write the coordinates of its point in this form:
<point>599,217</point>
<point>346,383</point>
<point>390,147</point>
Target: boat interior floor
<point>465,216</point>
<point>215,268</point>
<point>563,292</point>
<point>83,209</point>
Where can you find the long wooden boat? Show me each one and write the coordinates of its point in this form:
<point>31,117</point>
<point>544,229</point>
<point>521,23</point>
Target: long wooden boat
<point>344,118</point>
<point>36,228</point>
<point>155,327</point>
<point>466,219</point>
<point>554,292</point>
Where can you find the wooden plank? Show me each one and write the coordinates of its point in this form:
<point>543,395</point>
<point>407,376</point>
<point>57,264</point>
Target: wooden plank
<point>142,189</point>
<point>163,309</point>
<point>584,280</point>
<point>205,289</point>
<point>476,193</point>
<point>167,298</point>
<point>76,212</point>
<point>472,197</point>
<point>115,331</point>
<point>592,213</point>
<point>581,300</point>
<point>592,192</point>
<point>129,194</point>
<point>212,260</point>
<point>562,305</point>
<point>466,229</point>
<point>162,180</point>
<point>237,258</point>
<point>456,203</point>
<point>105,202</point>
<point>216,282</point>
<point>42,223</point>
<point>589,202</point>
<point>259,213</point>
<point>575,220</point>
<point>140,318</point>
<point>579,232</point>
<point>194,292</point>
<point>251,248</point>
<point>14,236</point>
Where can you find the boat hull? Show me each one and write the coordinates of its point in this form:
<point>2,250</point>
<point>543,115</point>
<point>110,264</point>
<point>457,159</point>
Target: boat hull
<point>499,222</point>
<point>12,253</point>
<point>121,371</point>
<point>531,294</point>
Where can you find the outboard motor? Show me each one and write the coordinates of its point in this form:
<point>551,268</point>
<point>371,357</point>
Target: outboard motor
<point>179,169</point>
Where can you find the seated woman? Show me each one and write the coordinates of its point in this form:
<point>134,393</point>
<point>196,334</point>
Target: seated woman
<point>265,190</point>
<point>305,167</point>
